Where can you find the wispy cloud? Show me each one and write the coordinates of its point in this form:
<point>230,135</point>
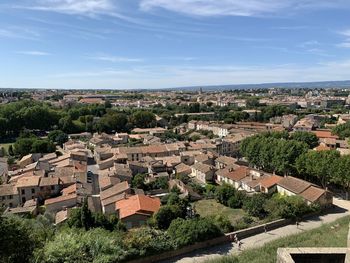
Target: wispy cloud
<point>114,59</point>
<point>346,42</point>
<point>78,7</point>
<point>19,32</point>
<point>33,53</point>
<point>238,8</point>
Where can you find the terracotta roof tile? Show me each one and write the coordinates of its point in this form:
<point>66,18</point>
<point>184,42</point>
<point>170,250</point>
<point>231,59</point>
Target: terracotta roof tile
<point>137,204</point>
<point>312,193</point>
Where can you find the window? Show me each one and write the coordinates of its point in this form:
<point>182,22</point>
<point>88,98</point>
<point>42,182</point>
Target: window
<point>10,197</point>
<point>23,200</point>
<point>22,191</point>
<point>10,204</point>
<point>33,191</point>
<point>52,187</point>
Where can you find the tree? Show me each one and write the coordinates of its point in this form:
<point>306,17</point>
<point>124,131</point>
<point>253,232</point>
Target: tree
<point>143,119</point>
<point>254,205</point>
<point>16,242</point>
<point>58,136</point>
<point>166,214</point>
<point>308,137</point>
<point>318,165</point>
<point>186,232</point>
<point>341,174</point>
<point>139,181</point>
<point>223,193</point>
<point>87,220</point>
<point>42,146</point>
<point>10,151</point>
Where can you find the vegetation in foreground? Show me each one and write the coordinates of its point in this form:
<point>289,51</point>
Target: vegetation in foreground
<point>319,237</point>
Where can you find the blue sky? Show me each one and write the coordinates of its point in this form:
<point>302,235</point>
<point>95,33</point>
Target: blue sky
<point>130,44</point>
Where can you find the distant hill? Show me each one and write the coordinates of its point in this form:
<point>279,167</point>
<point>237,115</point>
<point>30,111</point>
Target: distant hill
<point>289,85</point>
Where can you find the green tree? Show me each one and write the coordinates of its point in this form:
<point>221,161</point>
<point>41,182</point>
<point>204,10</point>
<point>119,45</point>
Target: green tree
<point>11,152</point>
<point>318,165</point>
<point>58,136</point>
<point>186,232</point>
<point>341,173</point>
<point>16,242</point>
<point>87,220</point>
<point>166,214</point>
<point>143,119</point>
<point>138,181</point>
<point>308,137</point>
<point>254,205</point>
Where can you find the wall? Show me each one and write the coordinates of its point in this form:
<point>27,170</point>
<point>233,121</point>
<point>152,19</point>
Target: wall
<point>213,242</point>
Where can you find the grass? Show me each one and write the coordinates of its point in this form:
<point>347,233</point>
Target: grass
<point>211,208</point>
<point>323,236</point>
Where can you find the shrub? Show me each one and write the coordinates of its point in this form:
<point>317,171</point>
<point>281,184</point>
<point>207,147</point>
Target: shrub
<point>186,232</point>
<point>254,205</point>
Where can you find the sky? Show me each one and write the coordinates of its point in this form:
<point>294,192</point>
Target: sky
<point>145,44</point>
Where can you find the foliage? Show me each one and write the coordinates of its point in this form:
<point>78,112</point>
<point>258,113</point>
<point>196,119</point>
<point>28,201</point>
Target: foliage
<point>166,215</point>
<point>342,130</point>
<point>308,137</point>
<point>318,165</point>
<point>58,136</point>
<point>223,193</point>
<point>188,231</point>
<point>24,146</point>
<point>16,242</point>
<point>143,119</point>
<point>272,154</point>
<point>84,218</point>
<point>286,207</point>
<point>254,205</point>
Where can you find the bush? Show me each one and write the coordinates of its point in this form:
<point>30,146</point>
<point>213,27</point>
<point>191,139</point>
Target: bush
<point>166,215</point>
<point>254,205</point>
<point>222,223</point>
<point>237,200</point>
<point>287,207</point>
<point>223,193</point>
<point>186,232</point>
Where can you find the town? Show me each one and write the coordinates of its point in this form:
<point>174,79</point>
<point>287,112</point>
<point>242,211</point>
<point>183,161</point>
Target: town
<point>158,171</point>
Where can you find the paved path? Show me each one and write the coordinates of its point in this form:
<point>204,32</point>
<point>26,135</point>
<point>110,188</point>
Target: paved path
<point>342,209</point>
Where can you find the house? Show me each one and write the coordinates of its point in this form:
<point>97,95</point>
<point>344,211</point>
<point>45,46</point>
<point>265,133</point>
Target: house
<point>9,196</point>
<point>186,190</point>
<point>223,161</point>
<point>232,175</point>
<point>28,188</point>
<point>203,172</point>
<point>115,190</point>
<point>269,184</point>
<point>311,193</point>
<point>290,186</point>
<point>135,210</point>
<point>317,195</point>
<point>49,186</point>
<point>183,169</point>
<point>28,159</point>
<point>57,203</point>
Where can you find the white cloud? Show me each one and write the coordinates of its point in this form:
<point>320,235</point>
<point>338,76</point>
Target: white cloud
<point>346,42</point>
<point>238,7</point>
<point>19,32</point>
<point>79,7</point>
<point>115,59</point>
<point>33,53</point>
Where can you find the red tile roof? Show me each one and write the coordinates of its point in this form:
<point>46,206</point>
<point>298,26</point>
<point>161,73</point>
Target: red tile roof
<point>270,181</point>
<point>312,193</point>
<point>137,204</point>
<point>234,174</point>
<point>325,134</point>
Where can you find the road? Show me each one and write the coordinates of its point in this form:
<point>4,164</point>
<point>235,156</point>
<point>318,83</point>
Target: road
<point>342,209</point>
